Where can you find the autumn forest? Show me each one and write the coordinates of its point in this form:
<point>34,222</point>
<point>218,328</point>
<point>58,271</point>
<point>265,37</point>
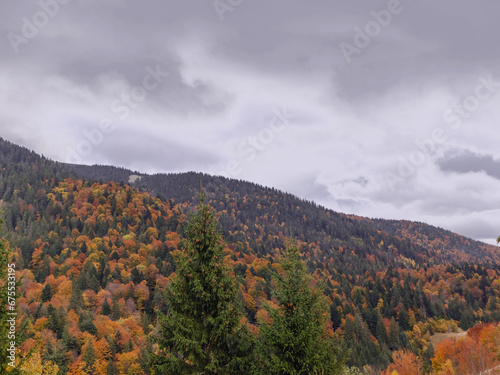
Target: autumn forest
<point>111,276</point>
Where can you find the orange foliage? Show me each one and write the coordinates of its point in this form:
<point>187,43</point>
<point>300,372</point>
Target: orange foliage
<point>473,354</point>
<point>405,363</point>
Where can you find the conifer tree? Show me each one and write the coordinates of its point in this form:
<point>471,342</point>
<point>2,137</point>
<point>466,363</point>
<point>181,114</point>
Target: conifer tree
<point>76,300</point>
<point>202,331</point>
<point>105,308</point>
<point>115,310</point>
<point>394,343</point>
<point>46,293</point>
<point>117,345</point>
<point>296,342</point>
<point>89,357</point>
<point>54,323</point>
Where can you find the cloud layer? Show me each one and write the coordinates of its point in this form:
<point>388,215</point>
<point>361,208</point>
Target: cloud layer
<point>401,123</point>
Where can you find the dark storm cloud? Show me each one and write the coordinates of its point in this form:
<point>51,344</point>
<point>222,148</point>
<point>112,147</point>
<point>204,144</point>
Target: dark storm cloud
<point>469,162</point>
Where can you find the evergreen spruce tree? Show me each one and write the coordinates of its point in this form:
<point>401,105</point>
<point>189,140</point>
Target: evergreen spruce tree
<point>115,310</point>
<point>427,356</point>
<point>295,342</point>
<point>117,345</point>
<point>394,343</point>
<point>111,368</point>
<point>54,323</point>
<point>69,341</point>
<point>89,357</point>
<point>76,300</point>
<point>136,276</point>
<point>93,284</point>
<point>128,347</point>
<point>86,324</point>
<point>46,293</point>
<point>202,332</point>
<point>105,308</point>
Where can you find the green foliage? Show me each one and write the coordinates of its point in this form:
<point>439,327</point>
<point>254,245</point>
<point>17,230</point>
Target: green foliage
<point>55,323</point>
<point>296,342</point>
<point>7,295</point>
<point>4,325</point>
<point>86,324</point>
<point>46,293</point>
<point>105,308</point>
<point>89,358</point>
<point>427,356</point>
<point>56,355</point>
<point>115,310</point>
<point>373,270</point>
<point>202,331</point>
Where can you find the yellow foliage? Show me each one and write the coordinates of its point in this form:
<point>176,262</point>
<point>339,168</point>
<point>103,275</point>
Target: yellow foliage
<point>40,323</point>
<point>128,363</point>
<point>447,369</point>
<point>35,366</point>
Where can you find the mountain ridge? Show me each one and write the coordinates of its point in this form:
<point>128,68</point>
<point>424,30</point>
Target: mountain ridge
<point>89,245</point>
<point>122,174</point>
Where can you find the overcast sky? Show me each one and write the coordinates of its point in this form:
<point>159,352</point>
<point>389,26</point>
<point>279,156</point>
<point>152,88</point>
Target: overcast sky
<point>378,108</point>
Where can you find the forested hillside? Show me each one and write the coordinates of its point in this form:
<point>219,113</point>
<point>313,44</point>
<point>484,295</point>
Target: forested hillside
<point>243,203</point>
<point>97,254</point>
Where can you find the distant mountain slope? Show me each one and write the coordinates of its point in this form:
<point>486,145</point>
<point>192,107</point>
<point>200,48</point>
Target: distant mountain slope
<point>102,172</point>
<point>416,241</point>
<point>248,205</point>
<point>97,256</point>
<point>441,241</point>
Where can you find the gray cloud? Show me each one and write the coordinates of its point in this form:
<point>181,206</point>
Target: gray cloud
<point>149,154</point>
<point>469,162</point>
<point>227,78</point>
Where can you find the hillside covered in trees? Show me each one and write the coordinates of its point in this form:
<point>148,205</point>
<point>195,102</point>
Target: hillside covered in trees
<point>97,255</point>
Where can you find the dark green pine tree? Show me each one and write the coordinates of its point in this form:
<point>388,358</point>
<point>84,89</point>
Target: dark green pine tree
<point>105,308</point>
<point>47,293</point>
<point>427,356</point>
<point>115,310</point>
<point>111,368</point>
<point>55,324</point>
<point>89,358</point>
<point>381,332</point>
<point>76,300</point>
<point>117,343</point>
<point>136,276</point>
<point>202,331</point>
<point>394,337</point>
<point>295,342</point>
